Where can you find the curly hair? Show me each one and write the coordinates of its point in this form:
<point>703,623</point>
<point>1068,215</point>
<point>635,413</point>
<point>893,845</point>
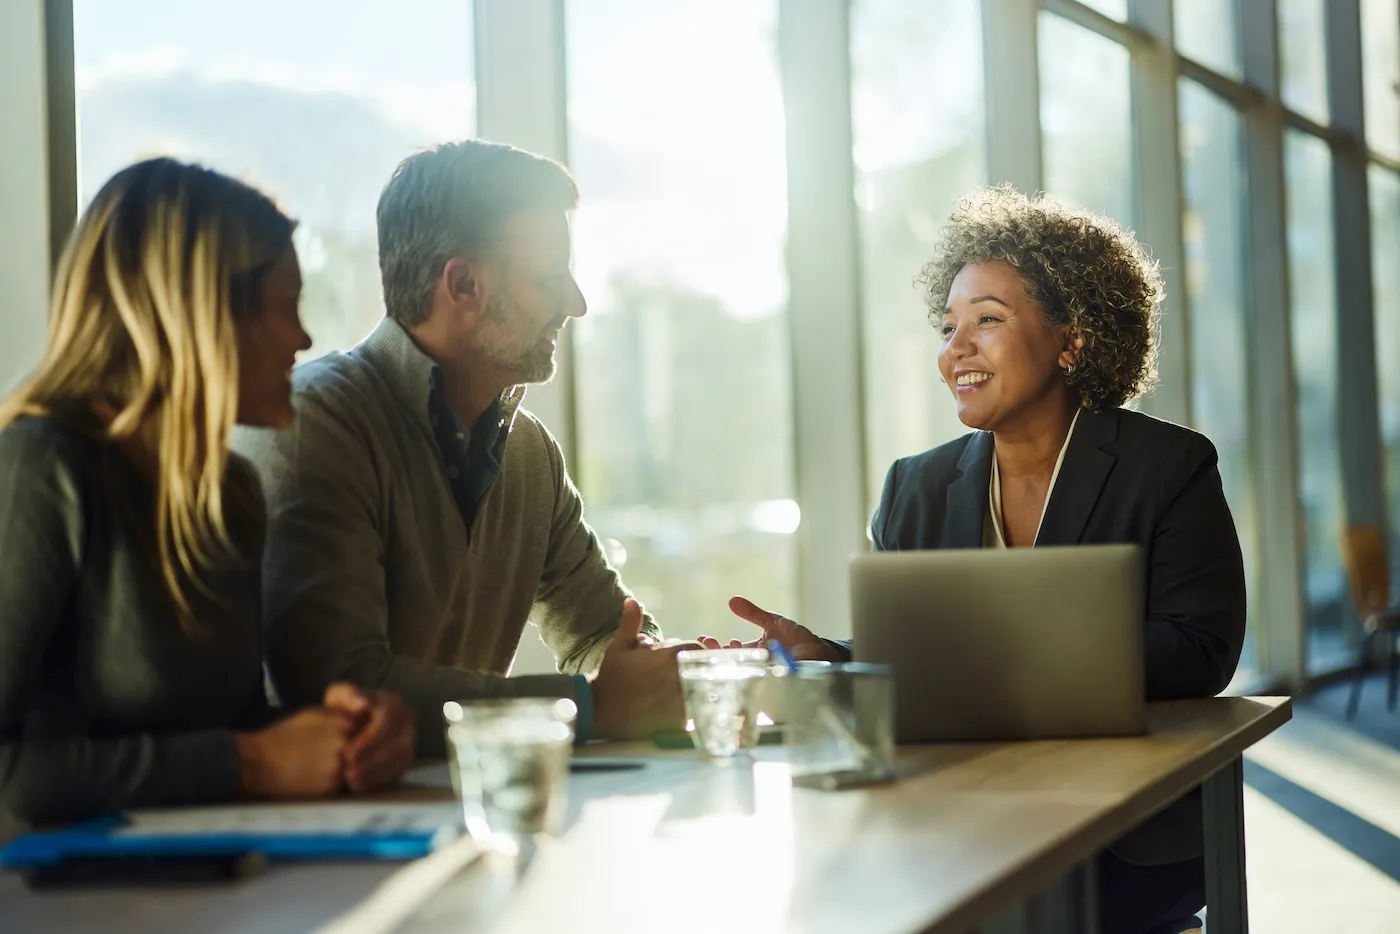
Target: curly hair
<point>1084,269</point>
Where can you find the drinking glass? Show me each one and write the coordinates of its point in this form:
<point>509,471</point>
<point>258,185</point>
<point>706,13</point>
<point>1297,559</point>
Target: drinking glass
<point>721,692</point>
<point>509,760</point>
<point>839,724</point>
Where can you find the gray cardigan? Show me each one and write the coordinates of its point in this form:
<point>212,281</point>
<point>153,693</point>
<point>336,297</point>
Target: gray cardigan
<point>371,575</point>
<point>106,702</point>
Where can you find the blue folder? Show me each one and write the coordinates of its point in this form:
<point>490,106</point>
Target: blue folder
<point>101,838</point>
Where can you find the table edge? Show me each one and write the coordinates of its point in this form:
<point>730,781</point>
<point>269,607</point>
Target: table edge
<point>1044,868</point>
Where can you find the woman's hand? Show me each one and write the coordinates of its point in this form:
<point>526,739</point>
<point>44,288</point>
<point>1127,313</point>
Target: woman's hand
<point>800,641</point>
<point>382,740</point>
<point>299,757</point>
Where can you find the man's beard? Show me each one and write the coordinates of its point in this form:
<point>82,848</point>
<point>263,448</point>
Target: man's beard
<point>536,363</point>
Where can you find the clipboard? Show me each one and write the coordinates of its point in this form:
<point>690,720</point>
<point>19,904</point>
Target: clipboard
<point>359,831</point>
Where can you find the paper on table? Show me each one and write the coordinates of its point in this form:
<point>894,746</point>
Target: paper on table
<point>290,820</point>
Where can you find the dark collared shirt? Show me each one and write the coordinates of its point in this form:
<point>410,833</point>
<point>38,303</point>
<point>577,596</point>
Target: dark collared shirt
<point>470,453</point>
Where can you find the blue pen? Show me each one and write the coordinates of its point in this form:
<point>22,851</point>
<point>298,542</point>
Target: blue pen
<point>778,649</point>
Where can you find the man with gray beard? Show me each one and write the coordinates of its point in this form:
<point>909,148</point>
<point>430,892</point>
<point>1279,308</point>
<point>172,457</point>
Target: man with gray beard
<point>419,516</point>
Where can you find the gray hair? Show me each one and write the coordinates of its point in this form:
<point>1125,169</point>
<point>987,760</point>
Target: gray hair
<point>450,201</point>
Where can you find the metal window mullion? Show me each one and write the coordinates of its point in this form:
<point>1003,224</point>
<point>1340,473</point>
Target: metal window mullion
<point>30,232</point>
<point>1358,403</point>
<point>520,100</point>
<point>1239,94</point>
<point>1273,411</point>
<point>1011,73</point>
<point>824,305</point>
<point>61,106</point>
<point>1158,189</point>
<point>1384,160</point>
<point>1329,133</point>
<point>1131,34</point>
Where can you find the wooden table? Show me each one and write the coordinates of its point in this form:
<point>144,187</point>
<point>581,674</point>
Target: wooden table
<point>996,837</point>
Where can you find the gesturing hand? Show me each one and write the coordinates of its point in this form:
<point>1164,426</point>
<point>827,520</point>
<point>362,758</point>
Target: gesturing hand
<point>800,641</point>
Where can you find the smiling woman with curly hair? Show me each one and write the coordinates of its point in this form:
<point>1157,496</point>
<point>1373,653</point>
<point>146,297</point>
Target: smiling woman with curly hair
<point>1047,325</point>
<point>1087,274</point>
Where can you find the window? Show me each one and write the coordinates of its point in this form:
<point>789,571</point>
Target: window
<point>1385,246</point>
<point>1313,314</point>
<point>1117,9</point>
<point>1086,118</point>
<point>1207,31</point>
<point>1302,40</point>
<point>683,383</point>
<point>1380,64</point>
<point>317,112</point>
<point>1213,227</point>
<point>910,171</point>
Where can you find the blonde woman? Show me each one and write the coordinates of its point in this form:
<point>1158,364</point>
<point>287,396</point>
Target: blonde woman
<point>130,638</point>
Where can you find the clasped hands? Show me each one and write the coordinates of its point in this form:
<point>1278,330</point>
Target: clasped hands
<point>356,739</point>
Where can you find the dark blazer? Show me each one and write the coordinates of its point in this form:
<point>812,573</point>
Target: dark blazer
<point>1126,477</point>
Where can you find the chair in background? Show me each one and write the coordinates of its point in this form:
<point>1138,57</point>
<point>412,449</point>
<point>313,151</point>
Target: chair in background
<point>1368,569</point>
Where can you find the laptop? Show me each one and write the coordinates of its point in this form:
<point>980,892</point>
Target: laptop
<point>991,644</point>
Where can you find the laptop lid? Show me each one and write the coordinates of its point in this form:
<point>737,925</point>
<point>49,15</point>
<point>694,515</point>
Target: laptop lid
<point>990,644</point>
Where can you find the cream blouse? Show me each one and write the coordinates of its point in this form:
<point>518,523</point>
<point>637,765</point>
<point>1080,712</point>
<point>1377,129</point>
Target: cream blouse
<point>993,535</point>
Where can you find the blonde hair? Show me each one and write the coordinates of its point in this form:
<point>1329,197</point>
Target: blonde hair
<point>141,324</point>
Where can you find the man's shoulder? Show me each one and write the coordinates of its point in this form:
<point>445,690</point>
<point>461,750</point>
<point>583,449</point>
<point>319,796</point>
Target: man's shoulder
<point>336,378</point>
<point>529,426</point>
<point>344,393</point>
<point>532,446</point>
<point>343,414</point>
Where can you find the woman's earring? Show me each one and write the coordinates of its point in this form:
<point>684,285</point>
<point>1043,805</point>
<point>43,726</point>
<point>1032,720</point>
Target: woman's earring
<point>1069,370</point>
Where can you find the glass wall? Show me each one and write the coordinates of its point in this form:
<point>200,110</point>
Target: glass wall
<point>1117,9</point>
<point>317,111</point>
<point>1380,70</point>
<point>1207,31</point>
<point>910,171</point>
<point>1213,231</point>
<point>1302,40</point>
<point>683,377</point>
<point>1385,267</point>
<point>678,411</point>
<point>1313,315</point>
<point>1086,119</point>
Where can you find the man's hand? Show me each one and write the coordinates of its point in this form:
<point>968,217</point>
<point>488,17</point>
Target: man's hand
<point>381,744</point>
<point>800,641</point>
<point>638,688</point>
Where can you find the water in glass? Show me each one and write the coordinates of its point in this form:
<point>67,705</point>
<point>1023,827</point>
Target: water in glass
<point>721,700</point>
